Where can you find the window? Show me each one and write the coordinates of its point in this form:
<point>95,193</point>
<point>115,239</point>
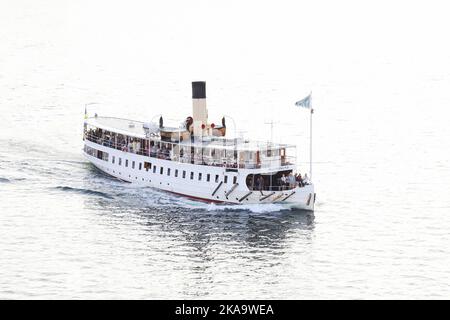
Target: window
<point>154,169</point>
<point>199,176</point>
<point>168,171</point>
<point>208,176</point>
<point>113,159</point>
<point>184,174</point>
<point>225,179</point>
<point>234,179</point>
<point>120,161</point>
<point>140,165</point>
<point>161,170</point>
<point>147,165</point>
<point>132,165</point>
<point>176,173</point>
<point>126,163</point>
<point>97,153</point>
<point>217,178</point>
<point>192,175</point>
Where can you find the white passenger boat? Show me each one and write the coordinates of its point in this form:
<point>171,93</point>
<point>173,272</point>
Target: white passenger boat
<point>196,159</point>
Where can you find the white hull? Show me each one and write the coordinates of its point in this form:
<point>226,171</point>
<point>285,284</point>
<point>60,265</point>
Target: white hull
<point>197,187</point>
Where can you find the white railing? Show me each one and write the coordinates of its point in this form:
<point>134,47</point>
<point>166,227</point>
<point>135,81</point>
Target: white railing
<point>187,157</point>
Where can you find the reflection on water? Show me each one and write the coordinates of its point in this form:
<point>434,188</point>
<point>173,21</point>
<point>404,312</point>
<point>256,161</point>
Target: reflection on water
<point>196,221</point>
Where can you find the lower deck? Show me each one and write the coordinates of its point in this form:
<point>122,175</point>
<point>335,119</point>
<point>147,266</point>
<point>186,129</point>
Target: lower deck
<point>212,184</point>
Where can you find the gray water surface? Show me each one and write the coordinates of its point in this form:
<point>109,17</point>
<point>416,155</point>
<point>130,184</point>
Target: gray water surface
<point>381,228</point>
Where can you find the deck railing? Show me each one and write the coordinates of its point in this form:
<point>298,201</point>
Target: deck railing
<point>187,157</point>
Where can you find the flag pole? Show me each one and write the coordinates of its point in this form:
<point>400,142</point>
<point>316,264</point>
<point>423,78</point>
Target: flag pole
<point>307,103</point>
<point>310,144</point>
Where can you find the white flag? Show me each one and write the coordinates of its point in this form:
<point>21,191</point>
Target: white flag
<point>305,102</point>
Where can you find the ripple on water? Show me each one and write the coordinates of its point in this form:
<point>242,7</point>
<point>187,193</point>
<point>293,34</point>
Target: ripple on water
<point>84,191</point>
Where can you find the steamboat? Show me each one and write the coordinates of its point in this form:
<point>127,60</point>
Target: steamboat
<point>197,159</point>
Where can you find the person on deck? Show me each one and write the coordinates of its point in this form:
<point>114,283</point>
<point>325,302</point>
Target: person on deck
<point>306,180</point>
<point>262,183</point>
<point>299,180</point>
<point>138,147</point>
<point>258,184</point>
<point>283,181</point>
<point>129,145</point>
<point>291,180</point>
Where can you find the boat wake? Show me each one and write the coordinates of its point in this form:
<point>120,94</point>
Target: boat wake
<point>4,180</point>
<point>154,197</point>
<point>253,208</point>
<point>84,191</point>
<point>138,197</point>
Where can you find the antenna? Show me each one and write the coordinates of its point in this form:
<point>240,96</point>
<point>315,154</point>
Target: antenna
<point>271,128</point>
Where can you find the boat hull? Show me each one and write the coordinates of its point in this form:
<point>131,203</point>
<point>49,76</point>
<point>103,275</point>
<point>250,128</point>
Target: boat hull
<point>199,182</point>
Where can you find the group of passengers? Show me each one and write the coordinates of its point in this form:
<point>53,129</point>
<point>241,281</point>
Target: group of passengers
<point>259,183</point>
<point>133,146</point>
<point>291,180</point>
<point>285,182</point>
<point>161,153</point>
<point>117,141</point>
<point>128,144</point>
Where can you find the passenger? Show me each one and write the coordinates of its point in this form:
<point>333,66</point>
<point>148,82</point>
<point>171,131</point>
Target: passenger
<point>291,180</point>
<point>258,183</point>
<point>299,180</point>
<point>283,181</point>
<point>306,180</point>
<point>138,146</point>
<point>262,183</point>
<point>152,151</point>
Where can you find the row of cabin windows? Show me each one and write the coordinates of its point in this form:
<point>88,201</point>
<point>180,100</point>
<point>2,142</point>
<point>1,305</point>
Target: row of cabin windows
<point>102,155</point>
<point>148,165</point>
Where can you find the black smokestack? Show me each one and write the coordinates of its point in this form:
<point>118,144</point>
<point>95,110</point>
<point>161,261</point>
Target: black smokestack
<point>199,90</point>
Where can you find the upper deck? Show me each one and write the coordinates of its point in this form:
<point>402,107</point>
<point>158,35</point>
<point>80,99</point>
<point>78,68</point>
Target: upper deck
<point>142,130</point>
<point>146,139</point>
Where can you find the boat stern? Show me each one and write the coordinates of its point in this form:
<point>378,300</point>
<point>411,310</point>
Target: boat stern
<point>302,197</point>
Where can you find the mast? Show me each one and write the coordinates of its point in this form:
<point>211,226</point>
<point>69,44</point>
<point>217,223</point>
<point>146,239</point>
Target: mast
<point>310,144</point>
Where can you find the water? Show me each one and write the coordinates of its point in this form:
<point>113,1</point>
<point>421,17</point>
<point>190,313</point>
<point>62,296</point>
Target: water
<point>381,149</point>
